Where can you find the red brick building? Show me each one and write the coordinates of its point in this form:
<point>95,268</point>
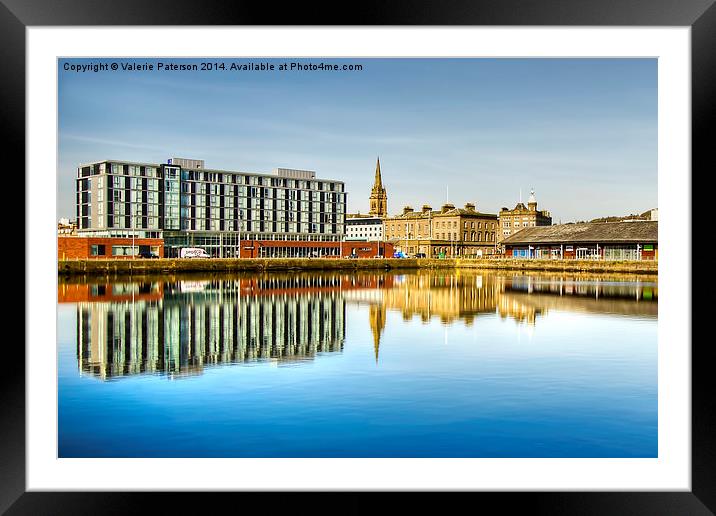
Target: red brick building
<point>302,249</point>
<point>77,247</point>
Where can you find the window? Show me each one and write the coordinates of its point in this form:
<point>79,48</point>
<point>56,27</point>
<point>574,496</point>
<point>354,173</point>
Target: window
<point>124,250</point>
<point>97,250</point>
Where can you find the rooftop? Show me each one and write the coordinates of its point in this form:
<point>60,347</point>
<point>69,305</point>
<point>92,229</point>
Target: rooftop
<point>646,231</point>
<point>277,172</point>
<point>446,210</point>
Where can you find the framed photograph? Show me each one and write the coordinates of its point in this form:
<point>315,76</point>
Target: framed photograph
<point>416,252</point>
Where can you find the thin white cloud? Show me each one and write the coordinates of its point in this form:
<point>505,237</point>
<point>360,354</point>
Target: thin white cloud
<point>111,143</point>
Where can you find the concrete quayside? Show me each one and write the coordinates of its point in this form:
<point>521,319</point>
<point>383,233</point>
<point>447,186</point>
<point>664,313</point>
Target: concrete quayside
<point>177,265</point>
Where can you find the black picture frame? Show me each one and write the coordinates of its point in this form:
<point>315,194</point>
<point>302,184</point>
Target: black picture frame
<point>699,15</point>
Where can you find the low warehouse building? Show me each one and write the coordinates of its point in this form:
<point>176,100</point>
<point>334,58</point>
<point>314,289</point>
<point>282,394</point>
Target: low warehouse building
<point>637,240</point>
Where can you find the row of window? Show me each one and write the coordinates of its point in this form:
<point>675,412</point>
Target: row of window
<point>440,225</point>
<point>279,182</point>
<point>200,212</point>
<point>474,236</point>
<point>203,240</point>
<point>229,202</point>
<point>257,225</point>
<point>507,224</point>
<point>467,236</point>
<point>121,169</point>
<point>354,229</point>
<point>116,168</point>
<point>121,250</point>
<point>152,197</point>
<point>138,183</point>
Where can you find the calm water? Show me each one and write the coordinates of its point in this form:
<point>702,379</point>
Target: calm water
<point>429,364</point>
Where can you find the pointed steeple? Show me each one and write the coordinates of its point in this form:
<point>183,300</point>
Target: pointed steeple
<point>377,325</point>
<point>378,184</point>
<point>378,195</point>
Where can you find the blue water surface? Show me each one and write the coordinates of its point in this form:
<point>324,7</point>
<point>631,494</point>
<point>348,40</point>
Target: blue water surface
<point>436,365</point>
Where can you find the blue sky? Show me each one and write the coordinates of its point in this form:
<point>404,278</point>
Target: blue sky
<point>581,132</point>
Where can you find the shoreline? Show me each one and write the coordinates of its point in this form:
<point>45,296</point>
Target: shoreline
<point>96,267</point>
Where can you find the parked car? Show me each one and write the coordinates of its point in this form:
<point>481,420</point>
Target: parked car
<point>420,255</point>
<point>147,254</point>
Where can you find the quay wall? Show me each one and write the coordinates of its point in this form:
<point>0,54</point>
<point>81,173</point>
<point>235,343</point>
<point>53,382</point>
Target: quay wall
<point>177,265</point>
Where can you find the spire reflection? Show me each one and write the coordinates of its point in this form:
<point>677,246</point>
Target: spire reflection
<point>178,327</point>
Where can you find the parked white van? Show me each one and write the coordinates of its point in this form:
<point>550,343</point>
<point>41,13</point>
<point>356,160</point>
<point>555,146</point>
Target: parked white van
<point>193,252</point>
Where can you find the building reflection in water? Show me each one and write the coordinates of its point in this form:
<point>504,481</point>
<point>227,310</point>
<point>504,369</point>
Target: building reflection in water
<point>467,296</point>
<point>525,298</point>
<point>177,328</point>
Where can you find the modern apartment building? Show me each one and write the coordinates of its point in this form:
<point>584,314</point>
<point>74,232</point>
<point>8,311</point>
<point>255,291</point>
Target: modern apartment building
<point>222,211</point>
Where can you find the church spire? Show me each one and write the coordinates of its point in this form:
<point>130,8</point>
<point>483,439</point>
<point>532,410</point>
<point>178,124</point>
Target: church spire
<point>378,195</point>
<point>376,313</point>
<point>378,184</point>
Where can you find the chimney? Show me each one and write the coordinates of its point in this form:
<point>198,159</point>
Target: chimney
<point>407,209</point>
<point>470,206</point>
<point>447,207</point>
<point>427,208</point>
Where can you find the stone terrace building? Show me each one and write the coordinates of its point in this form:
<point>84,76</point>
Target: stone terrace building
<point>449,232</point>
<point>637,240</point>
<point>521,216</point>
